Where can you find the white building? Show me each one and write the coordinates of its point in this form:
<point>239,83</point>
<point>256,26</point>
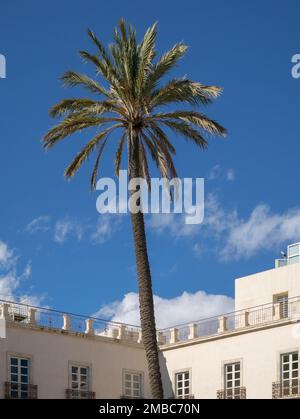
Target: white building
<point>251,353</point>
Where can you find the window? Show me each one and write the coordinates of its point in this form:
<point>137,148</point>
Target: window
<point>283,301</point>
<point>293,253</point>
<point>80,382</point>
<point>182,385</point>
<point>290,374</point>
<point>233,380</point>
<point>133,382</point>
<point>19,375</point>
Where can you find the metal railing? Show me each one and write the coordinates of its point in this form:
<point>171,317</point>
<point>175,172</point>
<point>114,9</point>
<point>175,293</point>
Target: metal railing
<point>25,315</point>
<point>236,321</point>
<point>237,393</point>
<point>286,390</point>
<point>79,394</point>
<point>45,318</point>
<point>20,391</point>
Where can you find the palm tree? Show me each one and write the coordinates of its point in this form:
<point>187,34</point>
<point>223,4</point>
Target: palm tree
<point>131,98</point>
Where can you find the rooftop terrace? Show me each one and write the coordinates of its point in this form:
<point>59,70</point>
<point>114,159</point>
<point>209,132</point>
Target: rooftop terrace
<point>38,318</point>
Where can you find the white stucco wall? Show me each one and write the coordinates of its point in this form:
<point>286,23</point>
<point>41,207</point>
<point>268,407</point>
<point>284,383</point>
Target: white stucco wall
<point>259,289</point>
<point>259,350</point>
<point>259,353</point>
<point>51,353</point>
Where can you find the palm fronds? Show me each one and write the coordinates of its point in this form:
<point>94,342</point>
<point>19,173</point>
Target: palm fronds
<point>129,94</point>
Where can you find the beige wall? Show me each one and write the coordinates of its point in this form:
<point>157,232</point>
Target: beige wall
<point>257,347</point>
<point>259,353</point>
<point>51,353</point>
<point>260,288</point>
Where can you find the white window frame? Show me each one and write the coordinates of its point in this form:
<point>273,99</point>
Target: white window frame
<point>223,375</point>
<point>294,257</point>
<point>232,373</point>
<point>132,374</point>
<point>184,395</point>
<point>88,367</point>
<point>20,357</point>
<point>287,391</point>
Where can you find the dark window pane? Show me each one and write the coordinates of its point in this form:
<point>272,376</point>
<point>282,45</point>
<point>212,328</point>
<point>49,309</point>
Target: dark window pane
<point>24,362</point>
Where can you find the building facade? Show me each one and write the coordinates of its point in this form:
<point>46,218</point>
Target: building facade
<point>252,353</point>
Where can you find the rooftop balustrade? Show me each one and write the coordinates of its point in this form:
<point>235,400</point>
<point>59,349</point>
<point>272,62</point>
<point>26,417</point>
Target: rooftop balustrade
<point>23,315</point>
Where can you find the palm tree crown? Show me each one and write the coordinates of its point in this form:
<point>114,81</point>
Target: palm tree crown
<point>131,99</point>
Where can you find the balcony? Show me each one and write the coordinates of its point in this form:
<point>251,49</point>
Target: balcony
<point>236,322</point>
<point>25,316</point>
<point>20,391</point>
<point>237,393</point>
<point>22,315</point>
<point>289,390</point>
<point>79,394</point>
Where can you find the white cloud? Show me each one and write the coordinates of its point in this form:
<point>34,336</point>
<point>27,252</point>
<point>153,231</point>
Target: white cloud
<point>11,279</point>
<point>198,249</point>
<point>64,229</point>
<point>216,220</point>
<point>106,226</point>
<point>41,223</point>
<point>185,308</point>
<point>230,175</point>
<point>71,227</point>
<point>215,172</point>
<point>230,235</point>
<point>5,255</point>
<point>263,230</point>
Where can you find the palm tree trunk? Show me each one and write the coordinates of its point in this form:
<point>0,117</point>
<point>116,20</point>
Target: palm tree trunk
<point>145,288</point>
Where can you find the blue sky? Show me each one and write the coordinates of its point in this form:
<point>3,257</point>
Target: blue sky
<point>81,263</point>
